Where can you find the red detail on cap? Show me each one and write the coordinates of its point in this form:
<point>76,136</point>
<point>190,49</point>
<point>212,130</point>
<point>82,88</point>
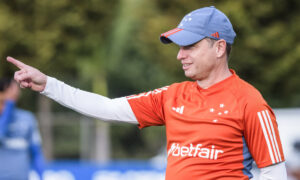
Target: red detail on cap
<point>216,35</point>
<point>169,33</point>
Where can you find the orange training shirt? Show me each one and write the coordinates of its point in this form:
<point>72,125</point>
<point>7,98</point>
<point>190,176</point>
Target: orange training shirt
<point>213,133</point>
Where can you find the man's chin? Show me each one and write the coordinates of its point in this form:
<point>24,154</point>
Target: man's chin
<point>190,76</point>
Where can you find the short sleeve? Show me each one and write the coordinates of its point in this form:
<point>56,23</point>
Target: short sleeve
<point>262,135</point>
<point>148,107</point>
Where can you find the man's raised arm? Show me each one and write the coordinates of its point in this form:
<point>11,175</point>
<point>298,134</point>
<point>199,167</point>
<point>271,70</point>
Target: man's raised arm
<point>84,102</point>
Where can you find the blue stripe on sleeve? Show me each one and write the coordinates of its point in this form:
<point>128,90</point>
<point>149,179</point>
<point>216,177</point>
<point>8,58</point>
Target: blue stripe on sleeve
<point>38,160</point>
<point>6,117</point>
<point>248,160</point>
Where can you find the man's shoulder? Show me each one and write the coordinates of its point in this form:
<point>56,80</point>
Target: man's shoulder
<point>246,91</point>
<point>23,111</point>
<point>24,114</point>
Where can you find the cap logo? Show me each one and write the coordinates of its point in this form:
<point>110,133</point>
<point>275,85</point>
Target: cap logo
<point>169,33</point>
<point>216,35</point>
<point>185,20</point>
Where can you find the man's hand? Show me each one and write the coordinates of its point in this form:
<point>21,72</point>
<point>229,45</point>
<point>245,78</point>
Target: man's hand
<point>28,77</point>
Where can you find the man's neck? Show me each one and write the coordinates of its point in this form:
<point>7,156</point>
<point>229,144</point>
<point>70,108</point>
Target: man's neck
<point>214,78</point>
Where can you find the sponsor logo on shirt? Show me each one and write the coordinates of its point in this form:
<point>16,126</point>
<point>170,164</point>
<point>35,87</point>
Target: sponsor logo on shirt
<point>178,109</point>
<point>195,151</point>
<point>16,143</point>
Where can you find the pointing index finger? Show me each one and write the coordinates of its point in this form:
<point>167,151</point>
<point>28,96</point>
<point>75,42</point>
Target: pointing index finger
<point>17,63</point>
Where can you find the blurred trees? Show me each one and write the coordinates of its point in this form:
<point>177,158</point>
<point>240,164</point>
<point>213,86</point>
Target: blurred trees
<point>265,53</point>
<point>267,49</point>
<point>112,47</point>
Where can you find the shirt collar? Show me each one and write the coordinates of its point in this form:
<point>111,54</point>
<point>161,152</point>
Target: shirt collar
<point>224,84</point>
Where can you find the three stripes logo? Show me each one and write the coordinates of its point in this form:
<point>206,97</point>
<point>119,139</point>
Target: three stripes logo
<point>216,35</point>
<point>269,133</point>
<point>178,109</point>
<point>169,33</point>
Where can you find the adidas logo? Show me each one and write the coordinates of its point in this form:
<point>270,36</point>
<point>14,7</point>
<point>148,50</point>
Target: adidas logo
<point>216,35</point>
<point>178,109</point>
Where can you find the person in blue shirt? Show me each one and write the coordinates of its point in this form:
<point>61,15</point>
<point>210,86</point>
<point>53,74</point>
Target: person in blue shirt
<point>20,142</point>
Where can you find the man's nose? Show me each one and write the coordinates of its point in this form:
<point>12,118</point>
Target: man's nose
<point>181,54</point>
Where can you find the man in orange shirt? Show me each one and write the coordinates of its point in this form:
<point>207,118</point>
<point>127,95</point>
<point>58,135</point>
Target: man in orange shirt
<point>216,126</point>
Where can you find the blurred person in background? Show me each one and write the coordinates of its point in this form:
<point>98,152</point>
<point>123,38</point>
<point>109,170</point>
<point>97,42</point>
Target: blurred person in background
<point>20,143</point>
<point>216,125</point>
<point>293,161</point>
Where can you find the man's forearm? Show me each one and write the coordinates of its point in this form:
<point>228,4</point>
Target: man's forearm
<point>273,172</point>
<point>89,104</point>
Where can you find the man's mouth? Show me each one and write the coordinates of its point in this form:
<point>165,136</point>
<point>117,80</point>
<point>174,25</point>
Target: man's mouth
<point>185,66</point>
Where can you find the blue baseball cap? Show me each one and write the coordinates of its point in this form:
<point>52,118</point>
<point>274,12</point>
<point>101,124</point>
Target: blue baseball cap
<point>201,23</point>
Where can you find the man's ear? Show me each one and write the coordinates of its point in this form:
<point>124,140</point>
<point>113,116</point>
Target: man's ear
<point>221,48</point>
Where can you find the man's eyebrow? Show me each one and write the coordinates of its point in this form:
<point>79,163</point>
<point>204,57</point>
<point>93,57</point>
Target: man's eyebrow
<point>188,46</point>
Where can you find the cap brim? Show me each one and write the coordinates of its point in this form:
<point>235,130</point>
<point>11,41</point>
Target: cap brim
<point>182,38</point>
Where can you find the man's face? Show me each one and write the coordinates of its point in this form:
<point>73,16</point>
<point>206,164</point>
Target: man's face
<point>198,60</point>
<point>11,93</point>
<point>2,100</point>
